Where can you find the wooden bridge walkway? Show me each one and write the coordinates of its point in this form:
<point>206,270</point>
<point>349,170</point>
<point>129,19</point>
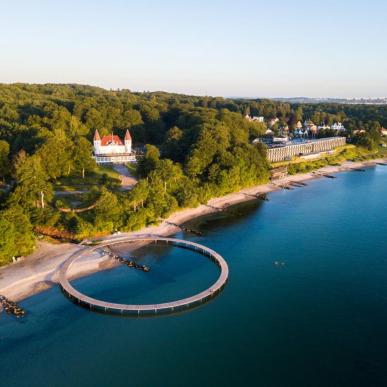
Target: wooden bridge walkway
<point>140,309</point>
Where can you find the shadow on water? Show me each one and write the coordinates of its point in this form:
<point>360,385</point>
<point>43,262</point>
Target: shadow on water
<point>147,315</point>
<point>232,216</point>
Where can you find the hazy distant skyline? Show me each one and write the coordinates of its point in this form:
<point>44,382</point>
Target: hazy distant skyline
<point>226,48</point>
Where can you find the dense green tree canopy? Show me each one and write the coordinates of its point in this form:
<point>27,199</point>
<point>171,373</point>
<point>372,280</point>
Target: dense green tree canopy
<point>33,189</point>
<point>192,148</point>
<point>4,159</point>
<point>16,237</point>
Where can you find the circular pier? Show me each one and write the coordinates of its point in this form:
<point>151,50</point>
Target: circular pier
<point>146,309</point>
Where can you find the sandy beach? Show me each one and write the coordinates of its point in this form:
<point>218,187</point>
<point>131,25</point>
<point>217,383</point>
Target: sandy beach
<point>38,271</point>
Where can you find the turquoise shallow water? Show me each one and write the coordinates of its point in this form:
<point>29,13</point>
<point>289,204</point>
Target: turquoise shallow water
<point>316,318</point>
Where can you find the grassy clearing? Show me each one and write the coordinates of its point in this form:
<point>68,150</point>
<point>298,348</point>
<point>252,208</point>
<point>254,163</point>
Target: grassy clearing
<point>100,176</point>
<point>76,200</point>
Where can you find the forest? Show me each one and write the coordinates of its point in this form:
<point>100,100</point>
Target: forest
<point>193,148</point>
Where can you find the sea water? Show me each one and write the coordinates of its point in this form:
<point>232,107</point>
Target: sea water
<point>305,305</point>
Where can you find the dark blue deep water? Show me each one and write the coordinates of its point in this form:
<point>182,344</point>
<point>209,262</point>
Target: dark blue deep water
<point>306,304</point>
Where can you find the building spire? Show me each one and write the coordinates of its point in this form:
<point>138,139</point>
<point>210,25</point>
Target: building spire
<point>96,136</point>
<point>127,135</point>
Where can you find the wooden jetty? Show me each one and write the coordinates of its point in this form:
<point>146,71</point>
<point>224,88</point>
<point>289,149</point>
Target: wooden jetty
<point>185,228</point>
<point>263,197</point>
<point>145,309</point>
<point>283,186</point>
<point>324,175</point>
<point>223,209</point>
<point>298,184</point>
<point>257,196</point>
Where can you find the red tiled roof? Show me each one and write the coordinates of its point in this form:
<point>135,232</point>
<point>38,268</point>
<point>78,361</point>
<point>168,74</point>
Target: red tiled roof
<point>111,140</point>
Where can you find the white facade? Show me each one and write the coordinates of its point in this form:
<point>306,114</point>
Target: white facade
<point>281,153</point>
<point>338,126</point>
<point>281,140</point>
<point>255,118</point>
<point>110,149</point>
<point>259,119</point>
<point>115,159</point>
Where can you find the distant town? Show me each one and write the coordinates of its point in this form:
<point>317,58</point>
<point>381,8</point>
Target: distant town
<point>302,140</point>
<point>349,101</point>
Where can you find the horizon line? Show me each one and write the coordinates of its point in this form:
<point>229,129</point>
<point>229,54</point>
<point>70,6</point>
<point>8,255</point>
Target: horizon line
<point>194,94</point>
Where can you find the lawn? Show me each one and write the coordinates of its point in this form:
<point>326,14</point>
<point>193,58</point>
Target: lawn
<point>78,200</point>
<point>100,176</point>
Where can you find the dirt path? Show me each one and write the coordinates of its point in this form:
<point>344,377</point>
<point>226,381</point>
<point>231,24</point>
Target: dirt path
<point>128,181</point>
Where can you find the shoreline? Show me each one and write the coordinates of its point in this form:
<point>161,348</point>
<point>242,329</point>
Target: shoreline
<point>39,271</point>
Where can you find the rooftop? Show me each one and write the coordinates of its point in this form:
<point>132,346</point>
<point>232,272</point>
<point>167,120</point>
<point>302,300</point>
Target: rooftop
<point>111,139</point>
<point>299,141</point>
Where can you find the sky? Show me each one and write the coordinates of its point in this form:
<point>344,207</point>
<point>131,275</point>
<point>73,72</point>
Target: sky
<point>244,48</point>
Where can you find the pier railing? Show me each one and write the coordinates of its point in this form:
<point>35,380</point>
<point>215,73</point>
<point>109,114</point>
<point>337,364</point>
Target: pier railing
<point>140,309</point>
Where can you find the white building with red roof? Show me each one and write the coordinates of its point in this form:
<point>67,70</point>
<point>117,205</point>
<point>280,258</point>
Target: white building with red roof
<point>111,149</point>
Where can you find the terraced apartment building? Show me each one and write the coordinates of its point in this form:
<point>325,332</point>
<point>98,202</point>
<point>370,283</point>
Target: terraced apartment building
<point>284,152</point>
